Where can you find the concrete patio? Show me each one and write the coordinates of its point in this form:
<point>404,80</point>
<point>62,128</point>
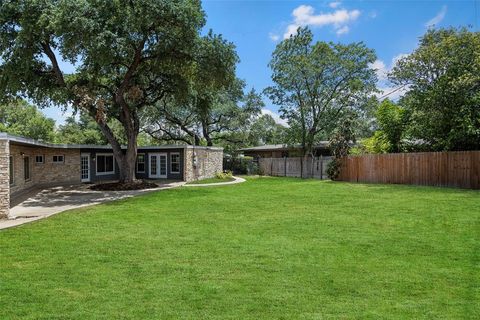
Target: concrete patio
<point>42,203</point>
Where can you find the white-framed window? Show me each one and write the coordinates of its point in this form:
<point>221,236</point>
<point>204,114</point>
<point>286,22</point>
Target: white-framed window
<point>11,171</point>
<point>105,164</point>
<point>175,162</point>
<point>141,163</point>
<point>26,168</point>
<point>58,159</point>
<point>39,159</point>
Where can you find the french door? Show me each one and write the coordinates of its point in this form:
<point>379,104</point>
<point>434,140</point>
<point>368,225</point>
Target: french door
<point>157,165</point>
<point>85,167</point>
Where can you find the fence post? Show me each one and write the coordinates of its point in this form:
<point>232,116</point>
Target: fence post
<point>285,166</point>
<point>301,166</point>
<point>321,167</point>
<point>311,169</point>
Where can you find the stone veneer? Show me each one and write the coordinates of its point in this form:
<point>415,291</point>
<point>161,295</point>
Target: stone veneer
<point>46,173</point>
<point>4,179</point>
<point>209,161</point>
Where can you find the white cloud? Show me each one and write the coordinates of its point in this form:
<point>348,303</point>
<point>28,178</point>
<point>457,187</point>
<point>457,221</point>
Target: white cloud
<point>380,69</point>
<point>274,37</point>
<point>437,19</point>
<point>398,57</point>
<point>343,30</point>
<point>334,4</point>
<point>304,16</point>
<point>384,86</point>
<point>275,117</point>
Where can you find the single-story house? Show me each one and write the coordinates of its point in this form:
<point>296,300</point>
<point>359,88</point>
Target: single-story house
<point>27,163</point>
<point>284,151</point>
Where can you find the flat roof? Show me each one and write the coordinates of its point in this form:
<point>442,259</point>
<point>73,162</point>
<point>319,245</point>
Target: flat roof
<point>32,142</point>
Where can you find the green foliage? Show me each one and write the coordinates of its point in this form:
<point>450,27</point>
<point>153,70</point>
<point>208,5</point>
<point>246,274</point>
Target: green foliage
<point>317,83</point>
<point>127,55</point>
<point>391,119</point>
<point>443,75</point>
<point>83,131</point>
<point>86,131</point>
<point>264,130</point>
<point>378,143</point>
<point>340,144</point>
<point>20,118</point>
<point>241,165</point>
<point>333,168</point>
<point>224,175</point>
<point>210,110</point>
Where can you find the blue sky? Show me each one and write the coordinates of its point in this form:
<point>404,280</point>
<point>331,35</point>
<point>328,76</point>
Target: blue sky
<point>392,28</point>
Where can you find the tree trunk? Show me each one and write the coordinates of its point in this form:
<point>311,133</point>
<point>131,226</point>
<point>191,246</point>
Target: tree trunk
<point>127,170</point>
<point>126,160</point>
<point>206,134</point>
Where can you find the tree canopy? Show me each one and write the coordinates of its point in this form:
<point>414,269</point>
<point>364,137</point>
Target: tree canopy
<point>316,84</point>
<point>127,55</point>
<point>20,118</point>
<point>443,78</point>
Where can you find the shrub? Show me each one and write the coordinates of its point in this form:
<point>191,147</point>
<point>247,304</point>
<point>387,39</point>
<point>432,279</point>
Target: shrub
<point>333,169</point>
<point>244,165</point>
<point>224,175</point>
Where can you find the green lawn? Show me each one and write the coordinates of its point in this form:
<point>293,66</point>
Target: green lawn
<point>270,248</point>
<point>211,180</point>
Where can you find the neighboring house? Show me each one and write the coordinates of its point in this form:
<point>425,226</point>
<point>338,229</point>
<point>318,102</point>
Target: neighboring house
<point>283,150</point>
<point>27,163</point>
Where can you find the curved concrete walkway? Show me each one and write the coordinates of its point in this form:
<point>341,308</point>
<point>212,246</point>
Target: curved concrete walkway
<point>40,204</point>
<point>237,180</point>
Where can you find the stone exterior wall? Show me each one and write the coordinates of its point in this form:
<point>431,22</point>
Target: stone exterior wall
<point>4,179</point>
<point>202,163</point>
<point>46,173</point>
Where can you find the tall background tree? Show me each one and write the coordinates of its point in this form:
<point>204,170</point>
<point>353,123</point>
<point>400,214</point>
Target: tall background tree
<point>316,84</point>
<point>391,121</point>
<point>19,118</point>
<point>443,77</point>
<point>265,130</point>
<point>128,55</point>
<point>82,129</point>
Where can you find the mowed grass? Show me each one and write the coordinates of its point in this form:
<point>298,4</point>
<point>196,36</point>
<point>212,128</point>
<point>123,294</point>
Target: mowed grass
<point>270,248</point>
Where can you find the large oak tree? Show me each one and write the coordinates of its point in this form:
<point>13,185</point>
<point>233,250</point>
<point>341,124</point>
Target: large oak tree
<point>127,55</point>
<point>215,107</point>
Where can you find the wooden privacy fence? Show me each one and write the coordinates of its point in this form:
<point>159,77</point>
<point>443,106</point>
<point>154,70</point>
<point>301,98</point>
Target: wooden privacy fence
<point>293,167</point>
<point>446,169</point>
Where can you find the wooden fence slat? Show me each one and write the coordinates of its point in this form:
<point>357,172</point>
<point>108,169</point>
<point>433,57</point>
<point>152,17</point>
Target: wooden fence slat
<point>453,169</point>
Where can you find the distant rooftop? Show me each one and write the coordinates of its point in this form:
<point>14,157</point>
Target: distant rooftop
<point>282,147</point>
<point>32,142</point>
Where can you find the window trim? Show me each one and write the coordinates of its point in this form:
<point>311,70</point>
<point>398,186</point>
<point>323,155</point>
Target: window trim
<point>11,178</point>
<point>96,164</point>
<point>43,159</point>
<point>29,169</point>
<point>171,162</point>
<point>144,163</point>
<point>58,155</point>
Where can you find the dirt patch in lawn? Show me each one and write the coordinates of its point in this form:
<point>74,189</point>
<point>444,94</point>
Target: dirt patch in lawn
<point>117,186</point>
